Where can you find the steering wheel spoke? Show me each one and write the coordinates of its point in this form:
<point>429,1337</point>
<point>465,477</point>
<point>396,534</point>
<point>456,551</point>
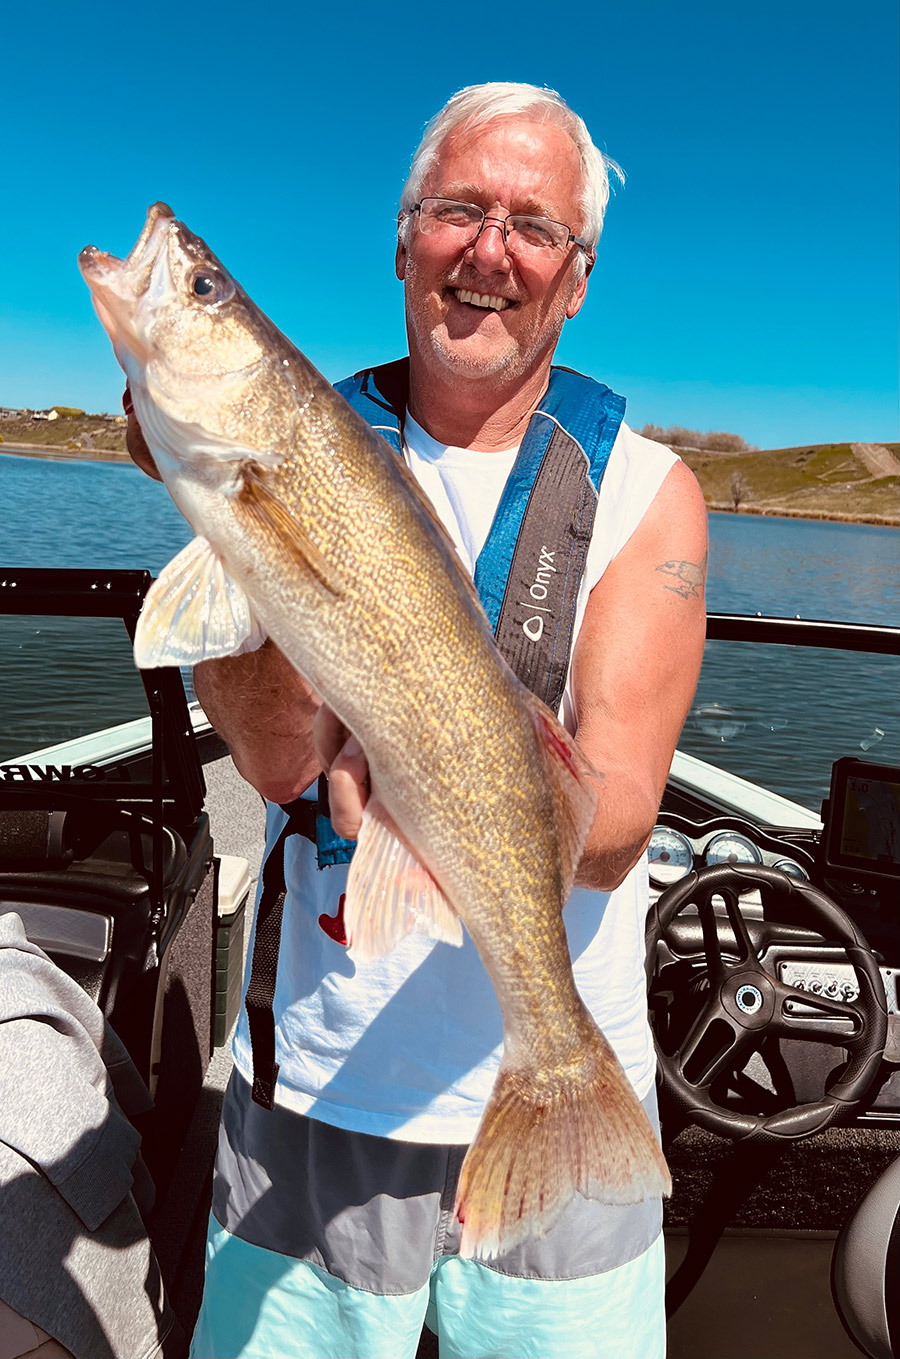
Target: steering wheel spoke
<point>715,1045</point>
<point>716,966</point>
<point>710,922</point>
<point>793,1020</point>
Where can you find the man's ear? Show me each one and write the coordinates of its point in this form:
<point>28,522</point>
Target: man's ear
<point>576,301</point>
<point>402,253</point>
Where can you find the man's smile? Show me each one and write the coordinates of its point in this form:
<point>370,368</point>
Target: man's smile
<point>486,301</point>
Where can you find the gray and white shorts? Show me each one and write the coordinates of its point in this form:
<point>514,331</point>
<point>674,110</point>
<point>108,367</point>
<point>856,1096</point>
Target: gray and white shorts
<point>331,1244</point>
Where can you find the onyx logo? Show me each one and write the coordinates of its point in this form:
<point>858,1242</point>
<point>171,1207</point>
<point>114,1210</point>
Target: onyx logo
<point>533,627</point>
<point>64,773</point>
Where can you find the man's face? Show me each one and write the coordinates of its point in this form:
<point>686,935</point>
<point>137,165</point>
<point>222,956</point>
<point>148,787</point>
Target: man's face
<point>509,165</point>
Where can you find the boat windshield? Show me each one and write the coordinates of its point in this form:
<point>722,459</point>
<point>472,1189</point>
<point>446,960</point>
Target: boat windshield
<point>775,715</point>
<point>62,678</point>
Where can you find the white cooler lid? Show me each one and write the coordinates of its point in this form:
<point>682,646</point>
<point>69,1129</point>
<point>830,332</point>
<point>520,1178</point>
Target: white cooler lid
<point>234,884</point>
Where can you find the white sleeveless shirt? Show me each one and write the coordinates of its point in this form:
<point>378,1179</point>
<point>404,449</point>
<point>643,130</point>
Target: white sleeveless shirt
<point>408,1046</point>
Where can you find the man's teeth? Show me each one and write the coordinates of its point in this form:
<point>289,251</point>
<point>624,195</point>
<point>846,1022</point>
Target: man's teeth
<point>482,300</point>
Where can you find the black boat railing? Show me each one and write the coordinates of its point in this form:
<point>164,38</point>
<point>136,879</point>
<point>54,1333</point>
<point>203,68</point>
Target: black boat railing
<point>736,627</point>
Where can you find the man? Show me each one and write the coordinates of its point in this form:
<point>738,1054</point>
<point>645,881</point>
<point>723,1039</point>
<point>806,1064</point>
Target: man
<point>332,1228</point>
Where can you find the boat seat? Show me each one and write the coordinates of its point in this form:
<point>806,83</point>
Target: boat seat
<point>864,1269</point>
<point>81,885</point>
<point>81,882</point>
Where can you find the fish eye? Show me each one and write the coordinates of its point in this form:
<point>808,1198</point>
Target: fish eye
<point>208,285</point>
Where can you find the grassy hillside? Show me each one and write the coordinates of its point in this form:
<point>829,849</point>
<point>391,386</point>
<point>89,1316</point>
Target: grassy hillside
<point>818,481</point>
<point>85,431</point>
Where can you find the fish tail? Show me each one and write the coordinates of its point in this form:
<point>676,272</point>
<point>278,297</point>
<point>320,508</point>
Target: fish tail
<point>543,1139</point>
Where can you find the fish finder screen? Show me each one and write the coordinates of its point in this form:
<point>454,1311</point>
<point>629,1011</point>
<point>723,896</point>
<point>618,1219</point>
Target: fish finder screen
<point>863,826</point>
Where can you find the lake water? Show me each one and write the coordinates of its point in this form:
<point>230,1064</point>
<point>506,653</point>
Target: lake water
<point>777,715</point>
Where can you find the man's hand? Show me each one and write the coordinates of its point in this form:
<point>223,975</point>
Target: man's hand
<point>341,756</point>
<point>135,441</point>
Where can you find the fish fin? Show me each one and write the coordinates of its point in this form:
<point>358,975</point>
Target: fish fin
<point>573,780</point>
<point>540,1142</point>
<point>256,497</point>
<point>390,894</point>
<point>194,612</point>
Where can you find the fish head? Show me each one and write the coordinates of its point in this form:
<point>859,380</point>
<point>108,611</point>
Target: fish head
<point>171,303</point>
<point>187,336</point>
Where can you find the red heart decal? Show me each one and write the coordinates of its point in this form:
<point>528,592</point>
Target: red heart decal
<point>334,925</point>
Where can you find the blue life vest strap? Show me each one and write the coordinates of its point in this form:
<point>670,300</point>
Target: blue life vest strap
<point>529,572</point>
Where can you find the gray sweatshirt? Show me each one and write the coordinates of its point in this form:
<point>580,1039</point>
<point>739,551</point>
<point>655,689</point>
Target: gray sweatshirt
<point>74,1253</point>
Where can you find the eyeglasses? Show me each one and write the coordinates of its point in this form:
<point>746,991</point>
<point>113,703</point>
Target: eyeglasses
<point>522,234</point>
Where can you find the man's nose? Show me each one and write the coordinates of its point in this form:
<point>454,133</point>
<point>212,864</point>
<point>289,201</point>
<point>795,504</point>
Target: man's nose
<point>488,252</point>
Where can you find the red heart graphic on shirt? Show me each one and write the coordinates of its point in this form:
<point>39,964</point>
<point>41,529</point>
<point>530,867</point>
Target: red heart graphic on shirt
<point>334,925</point>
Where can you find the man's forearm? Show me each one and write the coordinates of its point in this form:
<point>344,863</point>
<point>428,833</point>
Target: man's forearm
<point>264,710</point>
<point>625,817</point>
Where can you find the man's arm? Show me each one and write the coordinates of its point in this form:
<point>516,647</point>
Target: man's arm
<point>264,710</point>
<point>635,668</point>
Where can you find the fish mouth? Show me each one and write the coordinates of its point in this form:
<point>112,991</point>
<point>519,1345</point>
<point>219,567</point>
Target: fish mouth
<point>118,285</point>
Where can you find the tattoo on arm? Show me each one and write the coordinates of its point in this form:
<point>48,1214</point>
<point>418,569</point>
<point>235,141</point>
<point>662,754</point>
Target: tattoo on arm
<point>686,579</point>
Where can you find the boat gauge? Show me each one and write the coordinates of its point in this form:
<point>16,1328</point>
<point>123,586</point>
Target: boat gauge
<point>729,847</point>
<point>792,869</point>
<point>670,856</point>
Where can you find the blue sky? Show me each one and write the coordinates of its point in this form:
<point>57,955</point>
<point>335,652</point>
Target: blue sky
<point>747,276</point>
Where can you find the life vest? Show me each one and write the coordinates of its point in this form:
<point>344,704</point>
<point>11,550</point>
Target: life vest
<point>529,571</point>
<point>528,575</point>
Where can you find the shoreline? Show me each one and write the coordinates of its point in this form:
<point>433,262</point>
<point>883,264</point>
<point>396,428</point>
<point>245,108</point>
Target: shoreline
<point>820,516</point>
<point>56,453</point>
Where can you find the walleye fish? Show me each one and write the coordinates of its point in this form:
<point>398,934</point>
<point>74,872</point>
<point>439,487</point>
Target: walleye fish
<point>311,530</point>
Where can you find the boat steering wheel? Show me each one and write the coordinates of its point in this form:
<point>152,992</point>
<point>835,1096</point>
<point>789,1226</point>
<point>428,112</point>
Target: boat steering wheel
<point>741,1003</point>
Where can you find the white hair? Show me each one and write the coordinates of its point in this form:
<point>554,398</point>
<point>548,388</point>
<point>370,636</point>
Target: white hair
<point>479,104</point>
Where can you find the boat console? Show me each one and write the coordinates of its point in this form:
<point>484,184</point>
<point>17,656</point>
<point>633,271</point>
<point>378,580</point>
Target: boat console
<point>861,837</point>
<point>774,958</point>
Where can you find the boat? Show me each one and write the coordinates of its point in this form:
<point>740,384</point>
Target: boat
<point>773,959</point>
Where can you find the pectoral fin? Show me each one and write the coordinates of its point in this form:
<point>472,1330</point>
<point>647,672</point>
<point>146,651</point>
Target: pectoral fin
<point>194,612</point>
<point>270,512</point>
<point>390,894</point>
